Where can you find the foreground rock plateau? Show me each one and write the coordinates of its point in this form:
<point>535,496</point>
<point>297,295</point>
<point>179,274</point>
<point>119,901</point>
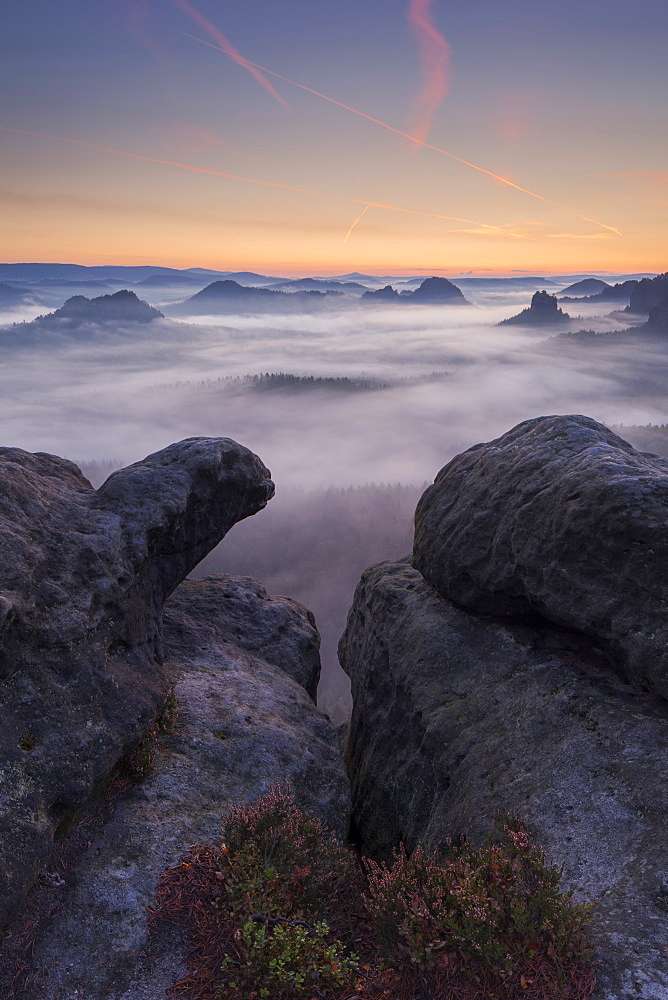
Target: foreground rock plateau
<point>519,667</point>
<point>83,578</point>
<point>240,661</point>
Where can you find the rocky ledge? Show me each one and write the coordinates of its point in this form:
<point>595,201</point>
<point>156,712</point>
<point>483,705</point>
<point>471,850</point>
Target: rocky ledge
<point>83,578</point>
<point>240,661</point>
<point>518,668</point>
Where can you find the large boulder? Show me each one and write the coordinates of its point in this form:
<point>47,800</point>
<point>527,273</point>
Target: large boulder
<point>562,519</point>
<point>83,577</point>
<point>457,717</point>
<point>240,661</point>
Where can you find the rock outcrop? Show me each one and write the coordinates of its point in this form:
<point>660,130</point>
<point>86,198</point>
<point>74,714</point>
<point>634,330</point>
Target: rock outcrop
<point>84,576</point>
<point>563,519</point>
<point>657,321</point>
<point>543,311</point>
<point>385,294</point>
<point>648,293</point>
<point>518,666</point>
<point>240,661</point>
<point>457,717</point>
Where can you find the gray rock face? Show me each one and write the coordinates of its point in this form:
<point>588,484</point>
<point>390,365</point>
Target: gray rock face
<point>560,518</point>
<point>244,723</point>
<point>83,577</point>
<point>457,717</point>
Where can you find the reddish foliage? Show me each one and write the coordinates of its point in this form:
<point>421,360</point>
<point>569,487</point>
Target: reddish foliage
<point>194,894</point>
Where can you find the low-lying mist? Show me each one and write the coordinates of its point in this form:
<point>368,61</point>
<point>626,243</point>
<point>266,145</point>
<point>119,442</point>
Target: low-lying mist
<point>416,385</point>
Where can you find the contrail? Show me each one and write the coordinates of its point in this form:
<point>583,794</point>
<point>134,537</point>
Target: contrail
<point>415,138</point>
<point>359,217</point>
<point>435,60</point>
<point>252,180</point>
<point>226,46</point>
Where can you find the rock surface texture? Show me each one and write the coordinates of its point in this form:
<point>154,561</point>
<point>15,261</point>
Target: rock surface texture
<point>563,519</point>
<point>240,661</point>
<point>457,717</point>
<point>83,577</point>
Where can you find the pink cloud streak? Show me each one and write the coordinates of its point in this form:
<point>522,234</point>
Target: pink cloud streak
<point>227,47</point>
<point>435,63</point>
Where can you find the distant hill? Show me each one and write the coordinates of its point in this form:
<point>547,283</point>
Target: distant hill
<point>14,295</point>
<point>650,437</point>
<point>251,277</point>
<point>78,311</point>
<point>319,285</point>
<point>499,284</point>
<point>165,280</point>
<point>431,291</point>
<point>588,286</point>
<point>438,291</point>
<point>38,272</point>
<point>543,311</point>
<point>229,296</point>
<point>618,293</point>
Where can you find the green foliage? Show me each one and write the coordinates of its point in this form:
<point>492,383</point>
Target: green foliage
<point>285,858</point>
<point>288,959</point>
<point>280,911</point>
<point>28,742</point>
<point>496,905</point>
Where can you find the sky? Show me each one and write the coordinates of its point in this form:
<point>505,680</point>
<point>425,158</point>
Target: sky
<point>508,137</point>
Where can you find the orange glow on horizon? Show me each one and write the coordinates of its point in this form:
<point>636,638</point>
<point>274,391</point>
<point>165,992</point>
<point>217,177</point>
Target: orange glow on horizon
<point>252,180</point>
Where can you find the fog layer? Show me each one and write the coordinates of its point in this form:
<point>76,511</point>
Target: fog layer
<point>416,385</point>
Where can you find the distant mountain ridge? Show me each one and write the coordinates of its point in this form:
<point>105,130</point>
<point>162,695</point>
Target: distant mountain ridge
<point>227,295</point>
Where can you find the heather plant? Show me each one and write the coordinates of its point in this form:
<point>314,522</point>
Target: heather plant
<point>280,909</point>
<point>499,906</point>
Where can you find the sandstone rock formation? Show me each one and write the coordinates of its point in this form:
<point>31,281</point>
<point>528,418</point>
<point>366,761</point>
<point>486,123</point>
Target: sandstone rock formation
<point>83,577</point>
<point>543,311</point>
<point>648,293</point>
<point>563,519</point>
<point>385,294</point>
<point>240,661</point>
<point>432,291</point>
<point>457,717</point>
<point>657,321</point>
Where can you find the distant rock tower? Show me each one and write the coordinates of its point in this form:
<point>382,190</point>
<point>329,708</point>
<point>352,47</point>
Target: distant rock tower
<point>543,311</point>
